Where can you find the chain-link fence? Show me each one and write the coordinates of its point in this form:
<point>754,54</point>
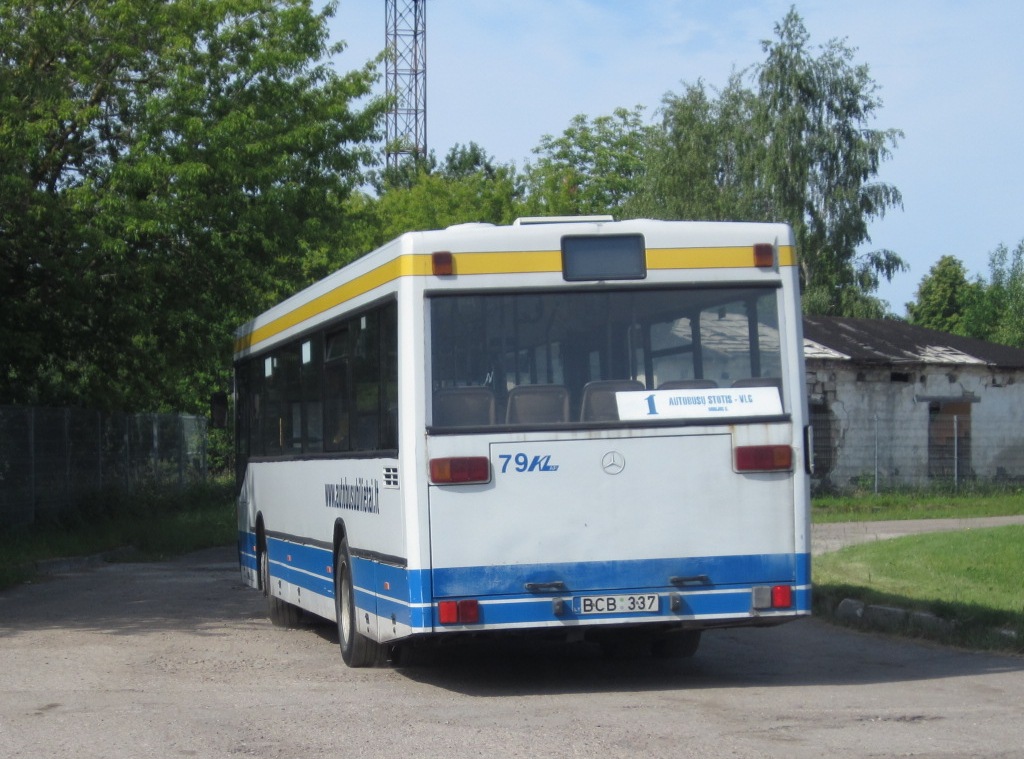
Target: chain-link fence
<point>51,459</point>
<point>941,447</point>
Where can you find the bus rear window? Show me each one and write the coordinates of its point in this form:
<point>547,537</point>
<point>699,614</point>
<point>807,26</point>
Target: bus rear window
<point>558,358</point>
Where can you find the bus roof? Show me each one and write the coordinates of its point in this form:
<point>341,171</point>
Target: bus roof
<point>707,245</point>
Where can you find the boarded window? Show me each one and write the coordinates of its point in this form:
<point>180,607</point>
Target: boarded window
<point>949,439</point>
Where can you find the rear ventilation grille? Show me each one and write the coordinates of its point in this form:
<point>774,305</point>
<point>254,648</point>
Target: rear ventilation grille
<point>391,477</point>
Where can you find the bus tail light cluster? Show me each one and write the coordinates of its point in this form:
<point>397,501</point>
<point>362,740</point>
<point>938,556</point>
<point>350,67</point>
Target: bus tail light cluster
<point>763,458</point>
<point>460,470</point>
<point>465,612</point>
<point>773,597</point>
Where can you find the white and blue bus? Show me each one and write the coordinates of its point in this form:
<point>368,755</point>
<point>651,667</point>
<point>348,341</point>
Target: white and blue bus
<point>569,426</point>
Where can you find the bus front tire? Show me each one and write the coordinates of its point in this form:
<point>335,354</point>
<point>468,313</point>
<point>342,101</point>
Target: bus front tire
<point>356,649</point>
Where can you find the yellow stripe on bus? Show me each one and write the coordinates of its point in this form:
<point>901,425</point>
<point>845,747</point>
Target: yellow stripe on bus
<point>403,266</point>
<point>534,262</point>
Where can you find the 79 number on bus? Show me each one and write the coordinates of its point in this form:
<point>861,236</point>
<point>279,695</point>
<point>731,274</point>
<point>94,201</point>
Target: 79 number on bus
<point>522,462</point>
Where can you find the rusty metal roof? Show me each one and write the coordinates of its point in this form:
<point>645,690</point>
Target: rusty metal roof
<point>885,341</point>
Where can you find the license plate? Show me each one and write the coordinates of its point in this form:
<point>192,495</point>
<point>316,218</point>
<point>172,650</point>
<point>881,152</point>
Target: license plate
<point>631,604</point>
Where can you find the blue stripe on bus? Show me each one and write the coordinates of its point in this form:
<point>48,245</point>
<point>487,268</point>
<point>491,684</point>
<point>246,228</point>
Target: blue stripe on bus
<point>761,569</point>
<point>247,551</point>
<point>404,594</point>
<point>382,589</point>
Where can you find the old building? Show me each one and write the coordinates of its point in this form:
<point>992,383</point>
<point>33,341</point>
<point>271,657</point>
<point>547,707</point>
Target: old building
<point>896,405</point>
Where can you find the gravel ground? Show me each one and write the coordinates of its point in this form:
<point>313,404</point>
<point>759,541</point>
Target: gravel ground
<point>177,659</point>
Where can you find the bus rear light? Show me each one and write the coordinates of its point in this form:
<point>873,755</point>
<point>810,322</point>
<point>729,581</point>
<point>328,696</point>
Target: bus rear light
<point>469,612</point>
<point>764,255</point>
<point>460,470</point>
<point>764,458</point>
<point>448,612</point>
<point>442,264</point>
<point>465,612</point>
<point>766,597</point>
<point>782,596</point>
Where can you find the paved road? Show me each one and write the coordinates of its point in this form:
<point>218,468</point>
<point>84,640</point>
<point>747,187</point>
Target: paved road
<point>177,659</point>
<point>832,537</point>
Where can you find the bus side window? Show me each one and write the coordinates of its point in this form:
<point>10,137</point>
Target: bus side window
<point>312,353</point>
<point>337,384</point>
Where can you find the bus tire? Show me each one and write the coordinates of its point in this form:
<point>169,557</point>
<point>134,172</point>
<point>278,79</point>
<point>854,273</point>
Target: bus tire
<point>676,645</point>
<point>356,649</point>
<point>281,613</point>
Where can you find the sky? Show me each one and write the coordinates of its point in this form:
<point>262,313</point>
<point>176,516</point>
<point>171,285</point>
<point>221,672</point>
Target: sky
<point>950,74</point>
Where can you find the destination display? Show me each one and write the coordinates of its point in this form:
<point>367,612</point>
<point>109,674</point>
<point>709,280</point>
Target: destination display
<point>702,403</point>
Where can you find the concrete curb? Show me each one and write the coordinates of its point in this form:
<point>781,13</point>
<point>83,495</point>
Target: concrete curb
<point>891,618</point>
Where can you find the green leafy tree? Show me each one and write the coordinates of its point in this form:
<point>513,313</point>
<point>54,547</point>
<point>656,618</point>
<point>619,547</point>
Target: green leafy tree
<point>1002,305</point>
<point>821,163</point>
<point>799,148</point>
<point>986,309</point>
<point>703,163</point>
<point>943,297</point>
<point>467,187</point>
<point>593,167</point>
<point>167,169</point>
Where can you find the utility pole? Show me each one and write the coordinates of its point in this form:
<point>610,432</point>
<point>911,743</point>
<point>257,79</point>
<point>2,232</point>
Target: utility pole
<point>405,73</point>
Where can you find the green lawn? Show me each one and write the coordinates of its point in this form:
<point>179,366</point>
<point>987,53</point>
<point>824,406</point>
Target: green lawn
<point>920,505</point>
<point>152,525</point>
<point>975,577</point>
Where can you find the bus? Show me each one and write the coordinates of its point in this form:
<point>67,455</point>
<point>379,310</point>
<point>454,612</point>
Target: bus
<point>574,427</point>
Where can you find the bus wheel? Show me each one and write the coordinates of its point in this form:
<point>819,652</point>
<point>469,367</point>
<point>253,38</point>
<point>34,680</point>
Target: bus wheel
<point>676,645</point>
<point>281,613</point>
<point>356,649</point>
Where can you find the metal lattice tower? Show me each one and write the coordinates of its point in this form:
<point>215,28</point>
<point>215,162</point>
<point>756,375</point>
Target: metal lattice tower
<point>405,72</point>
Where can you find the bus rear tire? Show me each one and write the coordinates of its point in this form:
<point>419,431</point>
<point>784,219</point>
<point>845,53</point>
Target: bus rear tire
<point>356,649</point>
<point>281,613</point>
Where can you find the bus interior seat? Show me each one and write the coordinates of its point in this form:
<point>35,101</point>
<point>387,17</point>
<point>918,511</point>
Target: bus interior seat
<point>775,382</point>
<point>687,384</point>
<point>599,399</point>
<point>463,407</point>
<point>528,404</point>
<point>759,382</point>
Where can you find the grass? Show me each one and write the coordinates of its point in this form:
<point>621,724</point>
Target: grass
<point>916,505</point>
<point>154,524</point>
<point>974,578</point>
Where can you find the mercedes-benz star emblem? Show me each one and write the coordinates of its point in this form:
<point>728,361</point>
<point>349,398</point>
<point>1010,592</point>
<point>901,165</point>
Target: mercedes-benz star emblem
<point>613,462</point>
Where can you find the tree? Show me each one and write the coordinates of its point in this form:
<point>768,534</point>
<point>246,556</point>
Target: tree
<point>168,168</point>
<point>703,162</point>
<point>469,187</point>
<point>942,297</point>
<point>1002,306</point>
<point>821,162</point>
<point>798,149</point>
<point>594,167</point>
<point>991,309</point>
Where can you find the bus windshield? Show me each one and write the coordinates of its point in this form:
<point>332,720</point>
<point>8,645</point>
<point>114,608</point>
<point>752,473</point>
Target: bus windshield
<point>537,357</point>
